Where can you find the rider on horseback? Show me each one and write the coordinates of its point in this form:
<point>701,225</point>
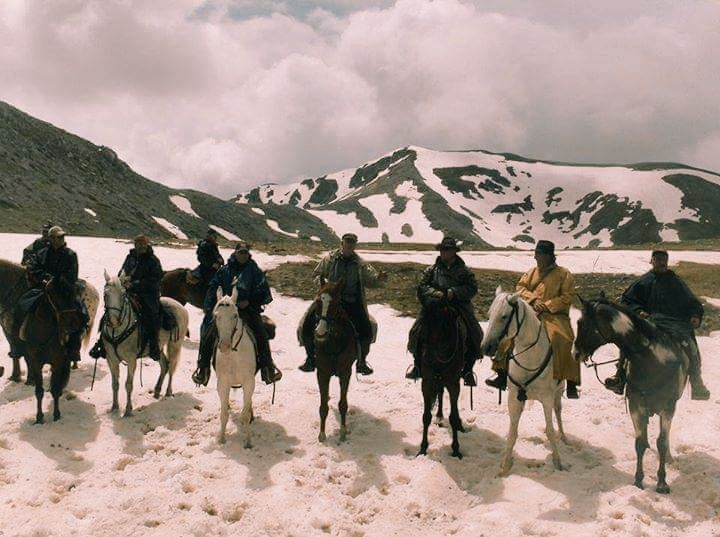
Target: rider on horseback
<point>663,297</point>
<point>59,263</point>
<point>345,265</point>
<point>549,289</point>
<point>253,293</point>
<point>209,257</point>
<point>38,244</point>
<point>449,278</point>
<point>143,272</point>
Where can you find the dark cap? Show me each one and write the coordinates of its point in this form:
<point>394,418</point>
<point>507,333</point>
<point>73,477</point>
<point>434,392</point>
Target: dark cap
<point>46,226</point>
<point>448,243</point>
<point>242,246</point>
<point>659,253</point>
<point>350,237</point>
<point>545,247</point>
<point>142,239</point>
<point>211,231</point>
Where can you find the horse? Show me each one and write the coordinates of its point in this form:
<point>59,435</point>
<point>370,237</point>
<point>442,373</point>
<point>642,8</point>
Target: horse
<point>443,342</point>
<point>46,331</point>
<point>530,370</point>
<point>121,337</point>
<point>656,377</point>
<point>336,348</point>
<point>235,362</point>
<point>174,284</point>
<point>13,279</point>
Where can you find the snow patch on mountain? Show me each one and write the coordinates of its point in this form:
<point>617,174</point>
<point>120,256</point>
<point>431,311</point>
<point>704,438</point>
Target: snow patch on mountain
<point>225,233</point>
<point>172,228</point>
<point>273,224</point>
<point>90,212</point>
<point>182,203</point>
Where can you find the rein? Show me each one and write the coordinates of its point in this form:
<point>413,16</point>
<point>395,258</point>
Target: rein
<point>127,319</point>
<point>593,363</point>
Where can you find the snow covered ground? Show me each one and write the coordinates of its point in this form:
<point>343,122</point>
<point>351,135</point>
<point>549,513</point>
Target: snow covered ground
<point>162,472</point>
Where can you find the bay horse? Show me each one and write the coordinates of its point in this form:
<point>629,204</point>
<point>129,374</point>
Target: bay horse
<point>336,348</point>
<point>174,284</point>
<point>121,338</point>
<point>46,331</point>
<point>530,369</point>
<point>443,342</point>
<point>235,364</point>
<point>13,279</point>
<point>656,377</point>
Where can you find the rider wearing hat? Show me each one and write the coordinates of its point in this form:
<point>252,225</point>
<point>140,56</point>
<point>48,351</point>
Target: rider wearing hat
<point>343,264</point>
<point>208,255</point>
<point>549,289</point>
<point>38,244</point>
<point>243,272</point>
<point>448,279</point>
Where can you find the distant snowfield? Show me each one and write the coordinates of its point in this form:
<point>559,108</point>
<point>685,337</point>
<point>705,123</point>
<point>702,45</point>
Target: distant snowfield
<point>182,203</point>
<point>162,472</point>
<point>172,228</point>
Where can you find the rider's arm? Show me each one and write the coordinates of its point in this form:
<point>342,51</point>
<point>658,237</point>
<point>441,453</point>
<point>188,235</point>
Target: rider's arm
<point>561,303</point>
<point>425,288</point>
<point>467,287</point>
<point>522,287</point>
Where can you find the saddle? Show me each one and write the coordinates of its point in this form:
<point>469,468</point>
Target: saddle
<point>309,321</point>
<point>167,319</point>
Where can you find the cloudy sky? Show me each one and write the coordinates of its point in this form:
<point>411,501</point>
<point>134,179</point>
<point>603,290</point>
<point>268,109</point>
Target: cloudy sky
<point>222,95</point>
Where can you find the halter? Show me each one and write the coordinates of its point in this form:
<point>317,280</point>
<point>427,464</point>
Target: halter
<point>127,320</point>
<point>606,340</point>
<point>238,320</point>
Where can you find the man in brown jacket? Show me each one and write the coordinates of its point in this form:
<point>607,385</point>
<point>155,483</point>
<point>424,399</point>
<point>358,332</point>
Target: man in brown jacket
<point>549,289</point>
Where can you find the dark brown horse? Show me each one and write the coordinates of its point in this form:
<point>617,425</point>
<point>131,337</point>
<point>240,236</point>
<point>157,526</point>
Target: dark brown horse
<point>443,341</point>
<point>13,280</point>
<point>336,348</point>
<point>46,331</point>
<point>174,284</point>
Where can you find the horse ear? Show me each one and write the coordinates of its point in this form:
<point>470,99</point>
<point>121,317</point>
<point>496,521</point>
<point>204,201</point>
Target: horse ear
<point>513,298</point>
<point>219,294</point>
<point>498,290</point>
<point>107,276</point>
<point>234,294</point>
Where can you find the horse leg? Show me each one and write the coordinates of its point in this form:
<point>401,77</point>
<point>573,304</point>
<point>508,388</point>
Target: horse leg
<point>324,386</point>
<point>223,388</point>
<point>640,423</point>
<point>131,363</point>
<point>247,411</point>
<point>173,355</point>
<point>35,372</point>
<point>161,378</point>
<point>439,417</point>
<point>455,423</point>
<point>550,432</point>
<point>58,380</point>
<point>114,366</point>
<point>515,410</point>
<point>16,375</point>
<point>429,392</point>
<point>663,449</point>
<point>343,404</point>
<point>557,406</point>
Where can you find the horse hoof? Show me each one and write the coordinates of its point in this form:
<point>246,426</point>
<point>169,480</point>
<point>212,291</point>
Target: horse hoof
<point>457,455</point>
<point>639,484</point>
<point>662,488</point>
<point>221,440</point>
<point>56,418</point>
<point>128,414</point>
<point>14,378</point>
<point>29,382</point>
<point>39,420</point>
<point>156,395</point>
<point>247,445</point>
<point>322,438</point>
<point>421,453</point>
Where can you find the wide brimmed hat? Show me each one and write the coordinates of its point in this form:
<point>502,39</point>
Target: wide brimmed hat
<point>448,243</point>
<point>56,231</point>
<point>47,226</point>
<point>545,247</point>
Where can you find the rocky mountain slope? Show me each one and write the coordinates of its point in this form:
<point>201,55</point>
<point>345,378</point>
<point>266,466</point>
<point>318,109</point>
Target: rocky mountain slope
<point>504,200</point>
<point>49,174</point>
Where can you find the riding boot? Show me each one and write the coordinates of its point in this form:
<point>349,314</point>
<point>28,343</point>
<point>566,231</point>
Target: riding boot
<point>413,372</point>
<point>362,366</point>
<point>698,390</point>
<point>499,381</point>
<point>269,373</point>
<point>571,390</point>
<point>467,372</point>
<point>616,383</point>
<point>98,350</point>
<point>153,347</point>
<point>308,366</point>
<point>201,376</point>
<point>73,346</point>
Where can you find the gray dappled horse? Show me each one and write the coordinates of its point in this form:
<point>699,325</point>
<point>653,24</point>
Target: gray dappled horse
<point>121,338</point>
<point>530,369</point>
<point>13,279</point>
<point>442,343</point>
<point>656,377</point>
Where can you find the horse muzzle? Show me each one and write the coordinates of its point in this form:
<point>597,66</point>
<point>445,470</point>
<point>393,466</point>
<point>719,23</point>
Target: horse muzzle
<point>224,346</point>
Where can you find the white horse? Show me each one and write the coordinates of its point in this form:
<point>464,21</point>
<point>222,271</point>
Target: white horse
<point>234,361</point>
<point>530,368</point>
<point>120,335</point>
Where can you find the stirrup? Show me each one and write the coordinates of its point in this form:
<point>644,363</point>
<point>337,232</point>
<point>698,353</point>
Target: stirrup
<point>270,374</point>
<point>413,372</point>
<point>469,378</point>
<point>615,384</point>
<point>201,376</point>
<point>499,382</point>
<point>308,366</point>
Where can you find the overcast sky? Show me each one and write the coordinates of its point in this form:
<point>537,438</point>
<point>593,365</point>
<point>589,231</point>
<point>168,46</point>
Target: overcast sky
<point>222,95</point>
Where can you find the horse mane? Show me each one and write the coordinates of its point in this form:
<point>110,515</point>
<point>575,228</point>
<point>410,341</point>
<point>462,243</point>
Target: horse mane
<point>643,326</point>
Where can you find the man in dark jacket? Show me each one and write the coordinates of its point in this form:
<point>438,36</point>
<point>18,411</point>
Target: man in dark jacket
<point>38,244</point>
<point>253,294</point>
<point>450,279</point>
<point>59,263</point>
<point>143,271</point>
<point>209,257</point>
<point>662,297</point>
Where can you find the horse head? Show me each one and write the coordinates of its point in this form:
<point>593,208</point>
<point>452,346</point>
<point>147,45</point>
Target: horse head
<point>115,298</point>
<point>227,319</point>
<point>505,316</point>
<point>594,328</point>
<point>69,317</point>
<point>328,300</point>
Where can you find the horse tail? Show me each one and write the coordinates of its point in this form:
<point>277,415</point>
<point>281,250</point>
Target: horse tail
<point>91,298</point>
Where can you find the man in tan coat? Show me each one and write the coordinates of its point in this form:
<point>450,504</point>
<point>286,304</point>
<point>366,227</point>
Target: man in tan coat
<point>549,289</point>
